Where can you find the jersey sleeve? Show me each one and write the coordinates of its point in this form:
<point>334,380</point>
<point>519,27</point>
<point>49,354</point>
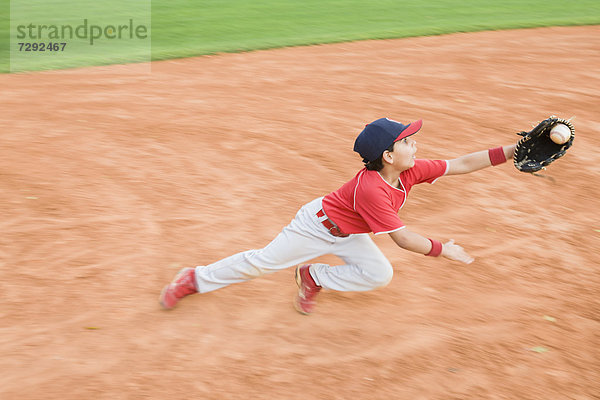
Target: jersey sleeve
<point>428,170</point>
<point>375,208</point>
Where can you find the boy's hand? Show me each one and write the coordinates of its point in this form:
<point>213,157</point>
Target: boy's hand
<point>455,252</point>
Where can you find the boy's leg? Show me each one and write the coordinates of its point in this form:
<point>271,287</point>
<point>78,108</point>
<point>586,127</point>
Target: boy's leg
<point>366,266</point>
<point>303,239</point>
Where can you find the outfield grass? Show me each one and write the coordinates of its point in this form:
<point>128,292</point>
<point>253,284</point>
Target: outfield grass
<point>183,28</point>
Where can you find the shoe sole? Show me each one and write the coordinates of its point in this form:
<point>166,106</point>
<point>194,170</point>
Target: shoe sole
<point>298,277</point>
<point>164,290</point>
<point>161,298</point>
<point>299,283</point>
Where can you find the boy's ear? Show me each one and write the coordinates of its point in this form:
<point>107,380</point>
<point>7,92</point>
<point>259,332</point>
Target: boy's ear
<point>387,156</point>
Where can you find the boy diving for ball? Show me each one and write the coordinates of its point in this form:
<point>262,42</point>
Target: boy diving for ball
<point>340,222</point>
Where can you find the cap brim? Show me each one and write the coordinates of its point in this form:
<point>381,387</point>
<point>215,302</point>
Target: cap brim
<point>410,130</point>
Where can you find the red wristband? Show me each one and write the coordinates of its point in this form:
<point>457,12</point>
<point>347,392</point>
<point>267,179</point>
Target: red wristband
<point>497,155</point>
<point>436,248</point>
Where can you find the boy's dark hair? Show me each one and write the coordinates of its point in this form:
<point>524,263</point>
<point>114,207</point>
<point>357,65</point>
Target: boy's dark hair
<point>377,164</point>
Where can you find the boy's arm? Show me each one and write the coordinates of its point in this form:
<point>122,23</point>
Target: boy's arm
<point>419,244</point>
<point>476,161</point>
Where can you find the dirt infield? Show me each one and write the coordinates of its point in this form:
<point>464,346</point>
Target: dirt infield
<point>111,180</point>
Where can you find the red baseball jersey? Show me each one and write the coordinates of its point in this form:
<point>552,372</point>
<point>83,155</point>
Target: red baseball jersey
<point>367,203</point>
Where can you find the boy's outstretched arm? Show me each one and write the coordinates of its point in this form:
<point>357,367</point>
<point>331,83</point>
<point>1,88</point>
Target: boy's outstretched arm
<point>412,241</point>
<point>479,160</point>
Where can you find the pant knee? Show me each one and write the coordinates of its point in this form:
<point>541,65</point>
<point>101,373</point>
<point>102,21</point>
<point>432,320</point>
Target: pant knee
<point>260,263</point>
<point>383,275</point>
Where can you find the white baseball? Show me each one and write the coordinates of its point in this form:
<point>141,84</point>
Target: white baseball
<point>560,133</point>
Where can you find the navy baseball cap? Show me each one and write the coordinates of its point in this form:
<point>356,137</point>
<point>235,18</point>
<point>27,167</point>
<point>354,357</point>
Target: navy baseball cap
<point>380,134</point>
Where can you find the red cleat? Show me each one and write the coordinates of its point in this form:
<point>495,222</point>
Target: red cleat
<point>182,285</point>
<point>307,290</point>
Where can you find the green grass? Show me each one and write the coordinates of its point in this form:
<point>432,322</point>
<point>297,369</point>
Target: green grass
<point>183,28</point>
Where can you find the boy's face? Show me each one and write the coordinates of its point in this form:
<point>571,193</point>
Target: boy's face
<point>403,156</point>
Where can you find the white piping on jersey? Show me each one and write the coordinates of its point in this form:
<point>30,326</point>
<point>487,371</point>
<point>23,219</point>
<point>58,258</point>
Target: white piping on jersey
<point>445,172</point>
<point>405,194</point>
<point>393,230</point>
<point>355,188</point>
<point>392,186</point>
<point>403,190</point>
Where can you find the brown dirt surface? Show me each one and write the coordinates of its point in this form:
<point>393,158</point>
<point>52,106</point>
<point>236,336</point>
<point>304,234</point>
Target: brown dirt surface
<point>112,179</point>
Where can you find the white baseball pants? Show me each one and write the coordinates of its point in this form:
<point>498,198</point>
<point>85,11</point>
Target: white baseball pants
<point>365,267</point>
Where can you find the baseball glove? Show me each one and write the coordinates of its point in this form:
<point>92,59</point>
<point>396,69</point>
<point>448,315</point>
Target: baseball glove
<point>536,150</point>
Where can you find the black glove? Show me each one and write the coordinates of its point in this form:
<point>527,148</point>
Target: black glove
<point>536,150</point>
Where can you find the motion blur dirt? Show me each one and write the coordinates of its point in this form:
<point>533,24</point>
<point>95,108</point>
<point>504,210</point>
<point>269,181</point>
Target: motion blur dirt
<point>111,180</point>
